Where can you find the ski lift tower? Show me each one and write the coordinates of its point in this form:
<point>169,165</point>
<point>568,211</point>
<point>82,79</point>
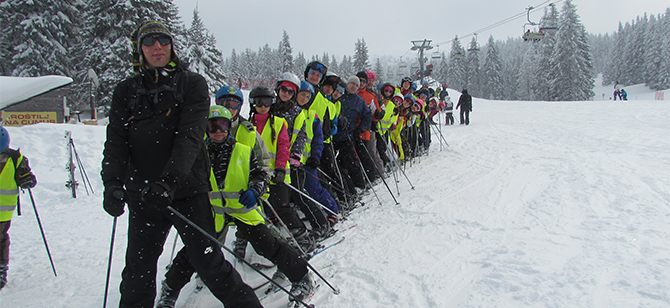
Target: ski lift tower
<point>421,46</point>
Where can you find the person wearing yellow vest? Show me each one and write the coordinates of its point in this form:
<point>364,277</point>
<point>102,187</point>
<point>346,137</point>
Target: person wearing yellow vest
<point>307,175</point>
<point>15,173</point>
<point>237,180</point>
<point>231,98</point>
<point>274,131</point>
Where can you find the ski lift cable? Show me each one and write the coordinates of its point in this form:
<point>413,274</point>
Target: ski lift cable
<point>508,19</point>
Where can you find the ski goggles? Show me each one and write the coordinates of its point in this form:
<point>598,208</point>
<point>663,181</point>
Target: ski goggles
<point>317,67</point>
<point>149,41</point>
<point>215,124</point>
<point>288,90</point>
<point>264,101</point>
<point>229,102</point>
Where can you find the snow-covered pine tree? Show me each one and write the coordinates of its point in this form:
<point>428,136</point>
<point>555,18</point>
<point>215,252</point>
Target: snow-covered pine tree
<point>38,36</point>
<point>654,39</point>
<point>543,63</point>
<point>634,54</point>
<point>572,59</point>
<point>664,69</point>
<point>106,38</point>
<point>457,77</point>
<point>202,55</point>
<point>473,70</point>
<point>361,56</point>
<point>334,67</point>
<point>285,54</point>
<point>346,68</point>
<point>325,59</point>
<point>442,71</point>
<point>492,72</point>
<point>299,65</point>
<point>379,70</point>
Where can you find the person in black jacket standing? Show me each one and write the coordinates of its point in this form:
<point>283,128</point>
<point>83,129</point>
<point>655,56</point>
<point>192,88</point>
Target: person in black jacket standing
<point>155,157</point>
<point>465,102</point>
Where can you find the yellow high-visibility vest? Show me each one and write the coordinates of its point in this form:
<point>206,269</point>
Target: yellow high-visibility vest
<point>9,190</point>
<point>237,180</point>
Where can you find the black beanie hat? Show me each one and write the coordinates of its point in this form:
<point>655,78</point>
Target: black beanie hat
<point>149,28</point>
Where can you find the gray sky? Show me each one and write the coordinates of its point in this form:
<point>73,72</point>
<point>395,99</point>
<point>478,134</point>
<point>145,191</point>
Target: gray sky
<point>388,26</point>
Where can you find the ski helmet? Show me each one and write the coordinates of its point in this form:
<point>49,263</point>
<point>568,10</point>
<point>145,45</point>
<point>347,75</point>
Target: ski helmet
<point>316,66</point>
<point>398,95</point>
<point>229,91</point>
<point>258,93</point>
<point>408,79</point>
<point>4,139</point>
<point>331,80</point>
<point>306,86</point>
<point>217,111</point>
<point>288,77</point>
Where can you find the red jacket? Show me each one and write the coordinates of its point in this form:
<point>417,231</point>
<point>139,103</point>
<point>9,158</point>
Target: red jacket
<point>283,141</point>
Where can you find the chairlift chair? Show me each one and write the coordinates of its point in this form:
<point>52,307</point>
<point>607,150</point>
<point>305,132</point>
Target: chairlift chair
<point>474,46</point>
<point>528,34</point>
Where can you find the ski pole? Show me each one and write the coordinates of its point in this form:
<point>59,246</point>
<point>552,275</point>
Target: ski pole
<point>310,198</point>
<point>381,175</point>
<point>304,255</point>
<point>363,168</point>
<point>405,174</point>
<point>281,222</point>
<point>215,240</point>
<point>339,173</point>
<point>109,263</point>
<point>37,215</point>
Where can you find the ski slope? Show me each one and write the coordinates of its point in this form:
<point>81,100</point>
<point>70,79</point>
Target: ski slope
<point>534,204</point>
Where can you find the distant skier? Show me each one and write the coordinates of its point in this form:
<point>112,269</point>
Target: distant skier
<point>623,95</point>
<point>617,90</point>
<point>465,102</point>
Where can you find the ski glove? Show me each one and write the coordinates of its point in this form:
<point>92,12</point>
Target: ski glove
<point>26,180</point>
<point>157,194</point>
<point>114,200</point>
<point>248,197</point>
<point>312,163</point>
<point>278,177</point>
<point>379,114</point>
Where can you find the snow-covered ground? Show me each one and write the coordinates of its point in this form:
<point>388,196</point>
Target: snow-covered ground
<point>533,204</point>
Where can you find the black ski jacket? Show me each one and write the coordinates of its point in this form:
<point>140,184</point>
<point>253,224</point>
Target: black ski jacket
<point>465,102</point>
<point>156,132</point>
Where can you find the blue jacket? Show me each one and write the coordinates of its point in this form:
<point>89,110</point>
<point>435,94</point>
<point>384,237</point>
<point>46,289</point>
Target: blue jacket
<point>353,108</point>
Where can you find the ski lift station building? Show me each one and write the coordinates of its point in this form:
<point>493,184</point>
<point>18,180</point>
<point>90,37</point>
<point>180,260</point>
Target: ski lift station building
<point>32,100</point>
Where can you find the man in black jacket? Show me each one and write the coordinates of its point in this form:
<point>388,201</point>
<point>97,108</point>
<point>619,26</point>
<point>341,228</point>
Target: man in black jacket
<point>155,157</point>
<point>465,102</point>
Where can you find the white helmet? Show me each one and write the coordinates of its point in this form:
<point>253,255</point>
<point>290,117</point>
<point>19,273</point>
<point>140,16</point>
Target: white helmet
<point>290,77</point>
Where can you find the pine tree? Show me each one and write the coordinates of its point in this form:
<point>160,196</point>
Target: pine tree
<point>325,60</point>
<point>473,70</point>
<point>38,36</point>
<point>664,69</point>
<point>491,72</point>
<point>634,54</point>
<point>379,70</point>
<point>457,78</point>
<point>334,67</point>
<point>285,54</point>
<point>346,68</point>
<point>299,65</point>
<point>202,55</point>
<point>361,56</point>
<point>572,57</point>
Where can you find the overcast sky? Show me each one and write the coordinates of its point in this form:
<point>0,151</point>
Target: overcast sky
<point>388,26</point>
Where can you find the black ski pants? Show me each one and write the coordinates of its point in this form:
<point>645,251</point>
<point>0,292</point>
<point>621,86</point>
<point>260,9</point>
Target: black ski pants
<point>264,243</point>
<point>348,159</point>
<point>465,117</point>
<point>148,228</point>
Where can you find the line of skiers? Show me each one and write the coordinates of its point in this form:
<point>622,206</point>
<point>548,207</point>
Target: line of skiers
<point>307,149</point>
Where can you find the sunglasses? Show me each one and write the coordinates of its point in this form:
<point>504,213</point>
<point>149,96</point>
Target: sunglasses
<point>151,40</point>
<point>288,90</point>
<point>388,90</point>
<point>215,124</point>
<point>230,103</point>
<point>264,101</point>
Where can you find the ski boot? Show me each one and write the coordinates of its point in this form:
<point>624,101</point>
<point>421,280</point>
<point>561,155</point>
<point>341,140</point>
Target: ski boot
<point>3,275</point>
<point>240,247</point>
<point>302,289</point>
<point>304,240</point>
<point>168,296</point>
